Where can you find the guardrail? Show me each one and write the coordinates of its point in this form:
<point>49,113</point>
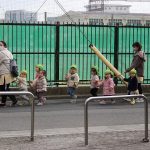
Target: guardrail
<point>32,106</point>
<point>116,97</point>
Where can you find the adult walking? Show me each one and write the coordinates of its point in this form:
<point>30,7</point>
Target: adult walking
<point>5,75</point>
<point>138,63</point>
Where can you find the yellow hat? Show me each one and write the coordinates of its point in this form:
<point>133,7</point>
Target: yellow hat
<point>40,66</point>
<point>108,72</point>
<point>73,66</point>
<point>24,71</point>
<point>133,71</point>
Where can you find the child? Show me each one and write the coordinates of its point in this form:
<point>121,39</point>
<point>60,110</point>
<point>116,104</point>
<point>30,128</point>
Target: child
<point>22,84</point>
<point>72,82</point>
<point>108,86</point>
<point>38,68</point>
<point>40,86</point>
<point>132,85</point>
<point>94,80</point>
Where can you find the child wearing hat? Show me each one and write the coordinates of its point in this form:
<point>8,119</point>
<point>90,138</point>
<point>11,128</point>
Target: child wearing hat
<point>94,80</point>
<point>22,84</point>
<point>132,85</point>
<point>38,68</point>
<point>108,86</point>
<point>72,79</point>
<point>40,87</point>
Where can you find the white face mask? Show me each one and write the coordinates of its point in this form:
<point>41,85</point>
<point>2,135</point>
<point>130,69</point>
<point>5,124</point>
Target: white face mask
<point>1,48</point>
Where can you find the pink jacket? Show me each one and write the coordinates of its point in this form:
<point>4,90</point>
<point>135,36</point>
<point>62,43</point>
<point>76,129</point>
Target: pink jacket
<point>108,86</point>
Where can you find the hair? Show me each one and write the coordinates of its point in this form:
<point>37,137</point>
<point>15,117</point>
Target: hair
<point>44,72</point>
<point>137,44</point>
<point>4,43</point>
<point>94,70</point>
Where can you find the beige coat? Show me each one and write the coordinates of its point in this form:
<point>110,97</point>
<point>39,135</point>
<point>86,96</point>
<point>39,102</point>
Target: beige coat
<point>5,73</point>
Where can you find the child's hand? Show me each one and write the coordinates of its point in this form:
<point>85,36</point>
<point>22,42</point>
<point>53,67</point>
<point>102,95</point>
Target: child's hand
<point>66,76</point>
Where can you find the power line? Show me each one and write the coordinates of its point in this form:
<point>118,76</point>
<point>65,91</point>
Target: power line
<point>38,9</point>
<point>63,9</point>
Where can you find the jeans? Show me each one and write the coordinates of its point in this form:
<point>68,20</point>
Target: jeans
<point>71,91</point>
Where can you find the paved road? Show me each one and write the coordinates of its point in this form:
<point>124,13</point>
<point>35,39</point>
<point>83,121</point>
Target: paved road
<point>67,115</point>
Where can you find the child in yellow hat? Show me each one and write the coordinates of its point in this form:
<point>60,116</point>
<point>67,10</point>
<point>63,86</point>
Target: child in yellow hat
<point>132,85</point>
<point>108,86</point>
<point>72,79</point>
<point>94,80</point>
<point>22,84</point>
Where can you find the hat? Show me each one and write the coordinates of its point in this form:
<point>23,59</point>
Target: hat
<point>40,66</point>
<point>24,71</point>
<point>133,71</point>
<point>73,66</point>
<point>96,68</point>
<point>108,72</point>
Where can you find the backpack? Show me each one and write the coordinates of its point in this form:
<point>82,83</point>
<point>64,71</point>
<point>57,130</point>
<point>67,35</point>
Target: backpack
<point>14,68</point>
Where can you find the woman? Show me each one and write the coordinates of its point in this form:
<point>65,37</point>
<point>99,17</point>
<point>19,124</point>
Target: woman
<point>138,64</point>
<point>5,74</point>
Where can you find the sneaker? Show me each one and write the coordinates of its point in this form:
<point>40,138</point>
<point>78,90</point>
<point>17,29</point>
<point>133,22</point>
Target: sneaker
<point>132,102</point>
<point>102,102</point>
<point>74,97</point>
<point>39,104</point>
<point>139,100</point>
<point>113,102</point>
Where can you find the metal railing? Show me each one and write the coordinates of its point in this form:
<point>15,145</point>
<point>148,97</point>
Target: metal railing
<point>32,106</point>
<point>116,97</point>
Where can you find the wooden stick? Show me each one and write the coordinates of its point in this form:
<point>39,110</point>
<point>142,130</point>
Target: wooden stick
<point>107,63</point>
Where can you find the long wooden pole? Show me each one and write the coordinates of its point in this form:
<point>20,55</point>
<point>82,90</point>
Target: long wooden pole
<point>107,63</point>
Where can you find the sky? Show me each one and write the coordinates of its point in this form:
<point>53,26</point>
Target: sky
<point>53,10</point>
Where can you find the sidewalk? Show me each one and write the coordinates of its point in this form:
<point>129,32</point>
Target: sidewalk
<point>124,137</point>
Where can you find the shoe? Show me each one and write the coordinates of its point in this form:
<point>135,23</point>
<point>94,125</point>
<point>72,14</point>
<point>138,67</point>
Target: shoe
<point>127,99</point>
<point>113,102</point>
<point>102,102</point>
<point>74,97</point>
<point>39,104</point>
<point>139,100</point>
<point>132,102</point>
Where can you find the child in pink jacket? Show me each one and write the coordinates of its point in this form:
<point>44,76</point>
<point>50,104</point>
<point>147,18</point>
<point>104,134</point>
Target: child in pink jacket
<point>108,86</point>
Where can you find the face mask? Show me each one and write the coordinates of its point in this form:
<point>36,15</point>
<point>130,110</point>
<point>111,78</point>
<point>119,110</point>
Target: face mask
<point>1,48</point>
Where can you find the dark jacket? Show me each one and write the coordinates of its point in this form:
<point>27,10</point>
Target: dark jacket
<point>138,63</point>
<point>132,83</point>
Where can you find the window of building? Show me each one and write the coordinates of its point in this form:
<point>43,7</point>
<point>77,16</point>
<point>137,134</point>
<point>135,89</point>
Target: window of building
<point>14,17</point>
<point>115,22</point>
<point>147,23</point>
<point>94,21</point>
<point>134,22</point>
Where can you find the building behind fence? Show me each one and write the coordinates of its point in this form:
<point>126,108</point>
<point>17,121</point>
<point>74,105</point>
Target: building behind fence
<point>57,46</point>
